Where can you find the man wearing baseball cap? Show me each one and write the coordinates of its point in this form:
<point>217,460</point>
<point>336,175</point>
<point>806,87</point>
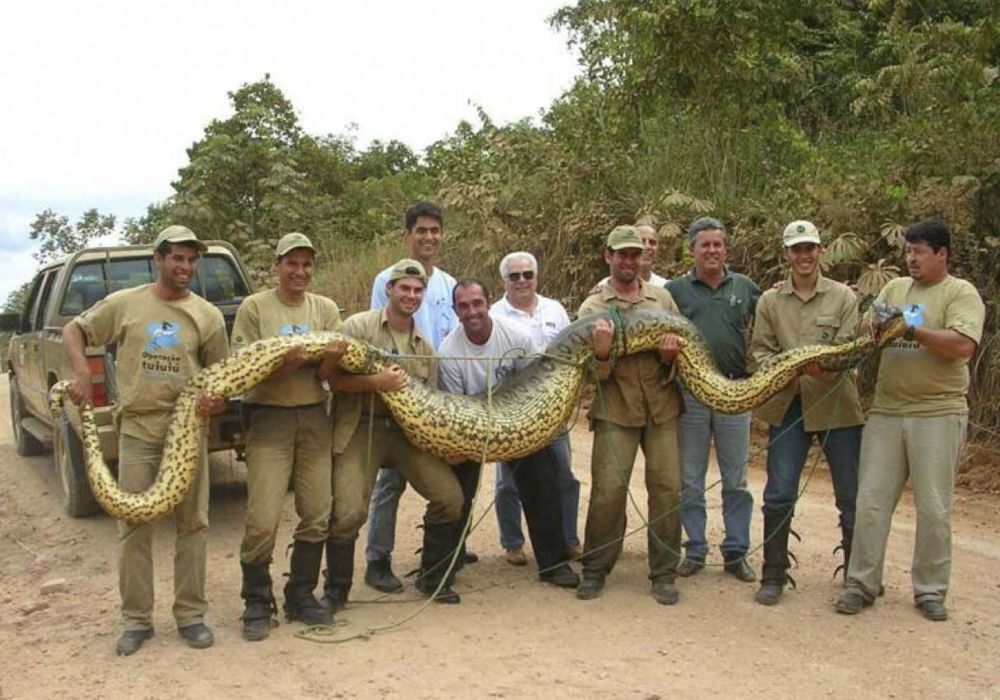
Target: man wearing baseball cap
<point>165,335</point>
<point>366,436</point>
<point>288,438</point>
<point>637,405</point>
<point>808,309</point>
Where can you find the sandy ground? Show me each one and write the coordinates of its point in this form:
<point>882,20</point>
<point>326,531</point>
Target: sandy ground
<point>511,637</point>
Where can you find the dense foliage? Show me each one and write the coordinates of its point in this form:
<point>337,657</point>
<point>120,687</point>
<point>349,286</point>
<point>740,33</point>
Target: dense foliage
<point>861,115</point>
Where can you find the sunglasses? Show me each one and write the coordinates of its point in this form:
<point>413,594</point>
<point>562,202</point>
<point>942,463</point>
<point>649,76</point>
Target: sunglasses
<point>516,276</point>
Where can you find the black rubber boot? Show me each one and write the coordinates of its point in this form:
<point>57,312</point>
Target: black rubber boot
<point>339,574</point>
<point>259,606</point>
<point>378,575</point>
<point>774,574</point>
<point>440,542</point>
<point>846,534</point>
<point>300,601</point>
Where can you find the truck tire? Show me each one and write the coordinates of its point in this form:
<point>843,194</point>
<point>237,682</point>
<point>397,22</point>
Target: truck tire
<point>27,444</point>
<point>68,452</point>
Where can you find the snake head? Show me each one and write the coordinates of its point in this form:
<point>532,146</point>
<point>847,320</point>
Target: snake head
<point>889,323</point>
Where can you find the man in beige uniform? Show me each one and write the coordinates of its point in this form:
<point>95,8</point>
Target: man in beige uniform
<point>637,403</point>
<point>365,435</point>
<point>808,309</point>
<point>165,335</point>
<point>917,422</point>
<point>288,437</point>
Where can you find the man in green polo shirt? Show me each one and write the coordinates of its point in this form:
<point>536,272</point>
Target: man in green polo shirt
<point>288,437</point>
<point>809,309</point>
<point>721,304</point>
<point>637,404</point>
<point>916,426</point>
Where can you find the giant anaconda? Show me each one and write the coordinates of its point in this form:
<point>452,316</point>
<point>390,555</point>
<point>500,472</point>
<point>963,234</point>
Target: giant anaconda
<point>522,415</point>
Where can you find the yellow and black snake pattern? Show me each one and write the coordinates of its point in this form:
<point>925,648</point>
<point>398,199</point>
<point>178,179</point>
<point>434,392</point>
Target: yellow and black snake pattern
<point>522,415</point>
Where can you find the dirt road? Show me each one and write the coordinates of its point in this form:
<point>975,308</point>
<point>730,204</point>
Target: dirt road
<point>517,638</point>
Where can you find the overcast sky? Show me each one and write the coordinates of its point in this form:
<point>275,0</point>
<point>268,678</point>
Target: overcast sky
<point>101,99</point>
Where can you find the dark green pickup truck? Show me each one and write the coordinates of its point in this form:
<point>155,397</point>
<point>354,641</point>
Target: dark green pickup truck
<point>36,359</point>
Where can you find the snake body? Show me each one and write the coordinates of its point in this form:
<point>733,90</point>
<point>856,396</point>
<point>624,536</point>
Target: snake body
<point>521,416</point>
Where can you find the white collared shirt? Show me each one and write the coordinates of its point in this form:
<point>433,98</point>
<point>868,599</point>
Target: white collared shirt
<point>547,321</point>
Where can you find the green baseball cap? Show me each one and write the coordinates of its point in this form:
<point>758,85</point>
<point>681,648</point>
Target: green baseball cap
<point>291,241</point>
<point>179,234</point>
<point>625,237</point>
<point>408,267</point>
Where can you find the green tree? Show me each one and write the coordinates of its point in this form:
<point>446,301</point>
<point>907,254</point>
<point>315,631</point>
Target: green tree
<point>59,237</point>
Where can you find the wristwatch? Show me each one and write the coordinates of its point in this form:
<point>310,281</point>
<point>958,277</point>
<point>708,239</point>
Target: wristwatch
<point>911,334</point>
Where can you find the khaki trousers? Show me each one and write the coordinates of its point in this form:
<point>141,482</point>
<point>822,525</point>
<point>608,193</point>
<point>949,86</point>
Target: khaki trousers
<point>611,465</point>
<point>284,444</point>
<point>354,473</point>
<point>138,464</point>
<point>925,450</point>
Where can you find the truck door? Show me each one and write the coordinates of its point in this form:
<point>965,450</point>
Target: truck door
<point>31,369</point>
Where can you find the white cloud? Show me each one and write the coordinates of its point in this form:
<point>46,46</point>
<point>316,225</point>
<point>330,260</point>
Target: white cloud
<point>102,98</point>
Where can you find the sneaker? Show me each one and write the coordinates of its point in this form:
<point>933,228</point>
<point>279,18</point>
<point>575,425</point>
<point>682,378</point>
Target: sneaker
<point>851,602</point>
<point>378,575</point>
<point>933,610</point>
<point>740,569</point>
<point>515,556</point>
<point>197,636</point>
<point>131,641</point>
<point>590,587</point>
<point>665,592</point>
<point>562,576</point>
<point>689,567</point>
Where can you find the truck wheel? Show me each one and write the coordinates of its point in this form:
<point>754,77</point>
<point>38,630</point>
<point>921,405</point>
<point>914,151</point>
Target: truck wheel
<point>27,444</point>
<point>68,451</point>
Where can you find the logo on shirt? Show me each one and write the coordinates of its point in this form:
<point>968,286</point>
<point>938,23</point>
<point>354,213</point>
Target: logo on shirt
<point>913,314</point>
<point>161,335</point>
<point>293,329</point>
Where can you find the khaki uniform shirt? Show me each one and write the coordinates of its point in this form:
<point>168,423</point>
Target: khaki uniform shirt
<point>635,390</point>
<point>373,327</point>
<point>912,380</point>
<point>785,321</point>
<point>264,315</point>
<point>161,345</point>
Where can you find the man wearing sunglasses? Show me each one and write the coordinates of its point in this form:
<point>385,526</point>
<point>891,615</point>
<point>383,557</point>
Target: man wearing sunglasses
<point>435,318</point>
<point>544,319</point>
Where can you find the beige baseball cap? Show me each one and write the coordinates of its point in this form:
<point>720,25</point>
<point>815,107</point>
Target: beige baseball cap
<point>625,237</point>
<point>291,241</point>
<point>407,267</point>
<point>800,232</point>
<point>179,234</point>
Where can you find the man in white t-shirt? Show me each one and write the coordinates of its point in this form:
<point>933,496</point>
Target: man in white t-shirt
<point>500,346</point>
<point>544,319</point>
<point>435,318</point>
